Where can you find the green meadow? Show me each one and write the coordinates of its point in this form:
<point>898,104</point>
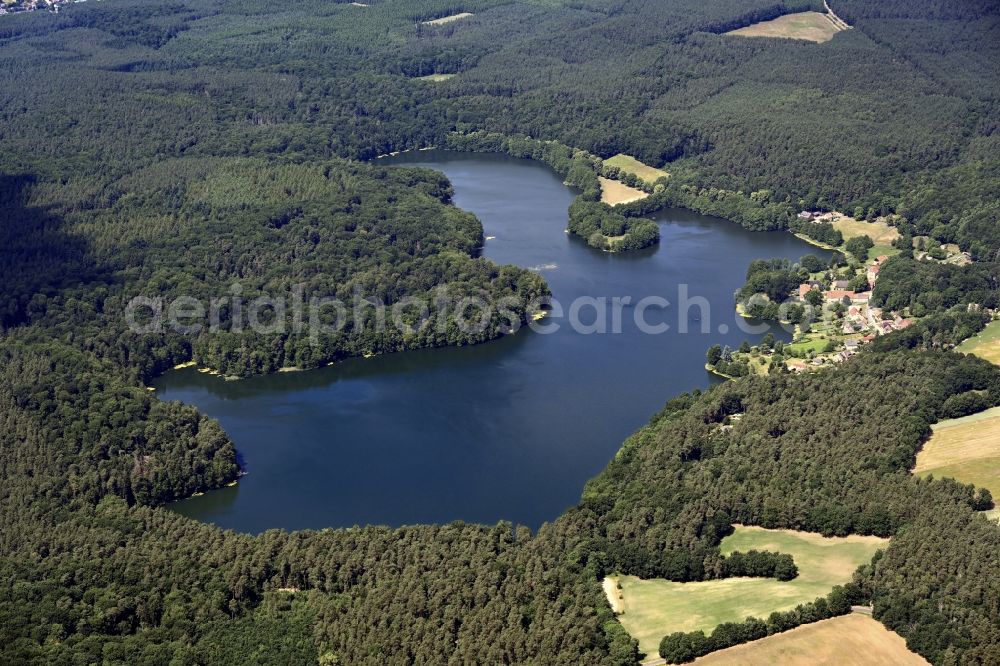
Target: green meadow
<point>654,608</point>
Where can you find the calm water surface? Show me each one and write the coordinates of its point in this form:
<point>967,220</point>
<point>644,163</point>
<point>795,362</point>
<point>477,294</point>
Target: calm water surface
<point>508,430</point>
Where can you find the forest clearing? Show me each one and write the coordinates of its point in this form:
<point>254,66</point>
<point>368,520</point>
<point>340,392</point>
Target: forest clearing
<point>654,608</point>
<point>615,192</point>
<point>880,232</point>
<point>628,164</point>
<point>966,449</point>
<point>986,345</point>
<point>448,19</point>
<point>810,26</point>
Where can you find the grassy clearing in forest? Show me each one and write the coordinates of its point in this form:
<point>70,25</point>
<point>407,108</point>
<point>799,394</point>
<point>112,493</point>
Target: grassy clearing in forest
<point>810,26</point>
<point>880,232</point>
<point>986,345</point>
<point>614,192</point>
<point>629,164</point>
<point>965,449</point>
<point>435,77</point>
<point>654,608</point>
<point>448,19</point>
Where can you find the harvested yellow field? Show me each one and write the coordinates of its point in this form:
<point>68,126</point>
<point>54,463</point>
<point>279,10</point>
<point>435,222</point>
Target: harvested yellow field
<point>651,609</point>
<point>614,192</point>
<point>965,449</point>
<point>810,26</point>
<point>986,345</point>
<point>880,232</point>
<point>629,164</point>
<point>448,19</point>
<point>848,640</point>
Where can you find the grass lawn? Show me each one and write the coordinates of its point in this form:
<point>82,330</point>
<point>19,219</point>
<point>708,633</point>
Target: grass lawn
<point>654,608</point>
<point>880,250</point>
<point>815,343</point>
<point>435,77</point>
<point>986,345</point>
<point>759,365</point>
<point>613,192</point>
<point>848,640</point>
<point>965,449</point>
<point>631,165</point>
<point>810,26</point>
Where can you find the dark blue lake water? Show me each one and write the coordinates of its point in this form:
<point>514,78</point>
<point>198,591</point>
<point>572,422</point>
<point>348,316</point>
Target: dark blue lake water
<point>508,430</point>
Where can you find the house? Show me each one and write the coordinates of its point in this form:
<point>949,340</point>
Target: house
<point>861,298</point>
<point>873,271</point>
<point>797,365</point>
<point>847,328</point>
<point>805,288</point>
<point>840,284</point>
<point>837,295</point>
<point>851,345</point>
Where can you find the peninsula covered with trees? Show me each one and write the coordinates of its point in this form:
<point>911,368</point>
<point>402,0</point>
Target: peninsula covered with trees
<point>175,147</point>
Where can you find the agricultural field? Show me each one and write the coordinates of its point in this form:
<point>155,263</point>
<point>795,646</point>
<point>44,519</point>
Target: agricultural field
<point>848,640</point>
<point>654,608</point>
<point>448,19</point>
<point>986,345</point>
<point>810,26</point>
<point>629,164</point>
<point>880,232</point>
<point>965,449</point>
<point>614,192</point>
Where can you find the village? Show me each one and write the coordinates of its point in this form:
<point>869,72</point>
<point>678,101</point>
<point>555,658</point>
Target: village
<point>847,319</point>
<point>840,316</point>
<point>18,6</point>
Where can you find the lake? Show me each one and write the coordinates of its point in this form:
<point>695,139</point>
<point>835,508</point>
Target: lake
<point>509,430</point>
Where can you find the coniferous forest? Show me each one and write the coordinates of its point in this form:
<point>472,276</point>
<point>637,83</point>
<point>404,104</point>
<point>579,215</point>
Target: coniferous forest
<point>179,147</point>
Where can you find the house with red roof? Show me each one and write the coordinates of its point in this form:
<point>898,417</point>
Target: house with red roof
<point>837,295</point>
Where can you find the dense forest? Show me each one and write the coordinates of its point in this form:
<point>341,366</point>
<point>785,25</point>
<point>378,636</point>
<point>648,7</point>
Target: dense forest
<point>197,147</point>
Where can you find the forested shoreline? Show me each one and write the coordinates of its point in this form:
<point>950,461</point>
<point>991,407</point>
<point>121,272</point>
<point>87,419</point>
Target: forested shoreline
<point>181,147</point>
<point>604,227</point>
